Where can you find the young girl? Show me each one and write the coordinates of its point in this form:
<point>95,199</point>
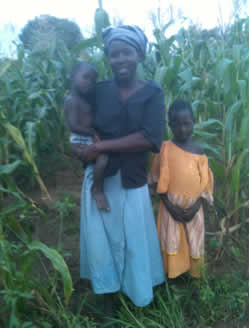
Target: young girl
<point>79,116</point>
<point>183,178</point>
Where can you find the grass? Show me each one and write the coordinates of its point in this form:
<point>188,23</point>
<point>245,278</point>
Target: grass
<point>178,304</point>
<point>214,78</point>
<point>219,300</point>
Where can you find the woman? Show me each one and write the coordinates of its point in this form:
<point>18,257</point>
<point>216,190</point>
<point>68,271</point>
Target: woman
<point>119,248</point>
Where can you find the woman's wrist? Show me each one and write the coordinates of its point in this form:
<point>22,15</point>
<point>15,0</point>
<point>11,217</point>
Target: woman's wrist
<point>100,146</point>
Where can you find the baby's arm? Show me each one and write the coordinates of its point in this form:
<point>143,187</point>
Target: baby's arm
<point>78,119</point>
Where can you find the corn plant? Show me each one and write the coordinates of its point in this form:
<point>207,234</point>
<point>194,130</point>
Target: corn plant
<point>208,68</point>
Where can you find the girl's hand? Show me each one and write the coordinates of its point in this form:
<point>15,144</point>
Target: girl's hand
<point>190,212</point>
<point>176,212</point>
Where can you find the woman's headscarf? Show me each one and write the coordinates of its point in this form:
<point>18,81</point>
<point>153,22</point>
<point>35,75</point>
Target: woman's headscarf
<point>130,34</point>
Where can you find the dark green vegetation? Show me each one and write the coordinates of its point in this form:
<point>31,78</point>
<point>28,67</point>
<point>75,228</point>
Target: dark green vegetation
<point>44,31</point>
<point>207,68</point>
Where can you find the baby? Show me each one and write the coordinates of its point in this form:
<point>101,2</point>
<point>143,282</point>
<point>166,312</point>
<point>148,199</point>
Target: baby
<point>79,117</point>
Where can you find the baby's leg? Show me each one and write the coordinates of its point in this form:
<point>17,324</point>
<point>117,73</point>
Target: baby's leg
<point>97,188</point>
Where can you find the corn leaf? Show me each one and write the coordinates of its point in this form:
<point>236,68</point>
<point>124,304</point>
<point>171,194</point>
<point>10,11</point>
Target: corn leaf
<point>59,265</point>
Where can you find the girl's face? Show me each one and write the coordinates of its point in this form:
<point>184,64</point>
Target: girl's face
<point>84,80</point>
<point>182,125</point>
<point>123,59</point>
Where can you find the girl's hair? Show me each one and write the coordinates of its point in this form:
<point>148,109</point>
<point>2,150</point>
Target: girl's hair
<point>79,66</point>
<point>177,106</point>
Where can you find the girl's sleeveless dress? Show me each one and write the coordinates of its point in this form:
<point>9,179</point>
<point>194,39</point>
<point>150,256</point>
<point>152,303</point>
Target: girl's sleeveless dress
<point>185,177</point>
<point>119,250</point>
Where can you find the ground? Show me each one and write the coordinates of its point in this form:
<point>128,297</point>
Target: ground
<point>65,190</point>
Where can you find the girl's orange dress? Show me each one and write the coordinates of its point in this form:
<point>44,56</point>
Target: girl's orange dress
<point>185,177</point>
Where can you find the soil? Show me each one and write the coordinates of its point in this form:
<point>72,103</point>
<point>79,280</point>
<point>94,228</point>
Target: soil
<point>67,182</point>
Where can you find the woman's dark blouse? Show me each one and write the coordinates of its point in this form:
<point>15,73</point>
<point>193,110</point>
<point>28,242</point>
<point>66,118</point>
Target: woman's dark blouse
<point>143,112</point>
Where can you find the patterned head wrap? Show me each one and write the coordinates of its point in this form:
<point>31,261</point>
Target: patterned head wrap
<point>130,34</point>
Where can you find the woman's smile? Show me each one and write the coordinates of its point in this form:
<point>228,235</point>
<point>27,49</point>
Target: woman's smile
<point>123,71</point>
<point>123,59</point>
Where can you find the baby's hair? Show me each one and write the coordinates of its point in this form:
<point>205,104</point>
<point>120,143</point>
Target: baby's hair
<point>81,65</point>
<point>177,106</point>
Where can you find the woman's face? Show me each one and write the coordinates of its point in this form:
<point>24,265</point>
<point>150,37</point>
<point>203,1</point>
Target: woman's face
<point>123,59</point>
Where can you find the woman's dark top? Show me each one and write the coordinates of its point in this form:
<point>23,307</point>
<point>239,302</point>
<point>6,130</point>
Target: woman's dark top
<point>143,112</point>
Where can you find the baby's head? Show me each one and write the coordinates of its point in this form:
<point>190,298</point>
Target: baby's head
<point>83,77</point>
<point>181,120</point>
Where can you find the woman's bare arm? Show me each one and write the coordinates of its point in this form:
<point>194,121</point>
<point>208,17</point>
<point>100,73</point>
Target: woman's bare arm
<point>135,142</point>
<point>132,143</point>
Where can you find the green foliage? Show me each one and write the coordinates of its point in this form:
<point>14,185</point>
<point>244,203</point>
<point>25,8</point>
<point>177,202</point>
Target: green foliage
<point>101,21</point>
<point>208,68</point>
<point>19,254</point>
<point>64,209</point>
<point>31,108</point>
<point>44,31</point>
<point>58,263</point>
<point>190,304</point>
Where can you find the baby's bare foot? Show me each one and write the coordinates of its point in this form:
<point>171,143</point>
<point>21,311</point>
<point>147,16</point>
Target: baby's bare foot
<point>100,199</point>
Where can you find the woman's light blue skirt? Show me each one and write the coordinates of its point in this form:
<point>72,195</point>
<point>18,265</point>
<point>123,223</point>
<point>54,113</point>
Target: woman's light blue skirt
<point>119,250</point>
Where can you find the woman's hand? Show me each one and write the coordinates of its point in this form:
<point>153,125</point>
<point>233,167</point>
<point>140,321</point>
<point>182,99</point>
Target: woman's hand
<point>91,152</point>
<point>85,153</point>
<point>96,138</point>
<point>78,151</point>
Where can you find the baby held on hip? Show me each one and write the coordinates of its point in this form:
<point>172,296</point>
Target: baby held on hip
<point>78,113</point>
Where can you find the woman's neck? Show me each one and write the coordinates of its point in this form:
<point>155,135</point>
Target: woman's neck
<point>128,89</point>
<point>127,84</point>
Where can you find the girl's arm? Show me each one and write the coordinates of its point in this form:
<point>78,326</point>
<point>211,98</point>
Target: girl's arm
<point>190,212</point>
<point>176,212</point>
